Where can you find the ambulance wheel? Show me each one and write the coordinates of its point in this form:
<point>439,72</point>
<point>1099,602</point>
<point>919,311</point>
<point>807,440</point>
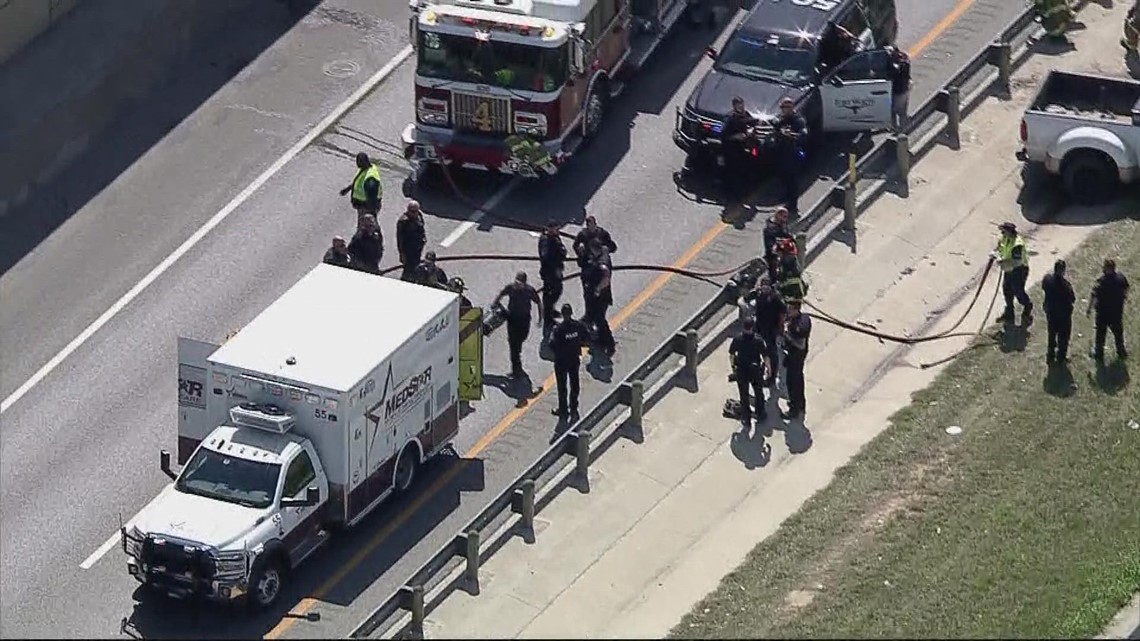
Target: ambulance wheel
<point>406,467</point>
<point>265,584</point>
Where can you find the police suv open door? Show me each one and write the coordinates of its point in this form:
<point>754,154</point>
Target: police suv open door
<point>857,95</point>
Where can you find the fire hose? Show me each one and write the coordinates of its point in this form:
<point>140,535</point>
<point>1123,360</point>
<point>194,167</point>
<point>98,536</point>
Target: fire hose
<point>737,272</point>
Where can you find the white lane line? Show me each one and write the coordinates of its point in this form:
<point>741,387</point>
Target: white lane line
<point>111,542</point>
<point>198,235</point>
<point>471,222</point>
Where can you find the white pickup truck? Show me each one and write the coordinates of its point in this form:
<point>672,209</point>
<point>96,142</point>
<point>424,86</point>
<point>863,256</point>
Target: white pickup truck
<point>1086,129</point>
<point>300,424</point>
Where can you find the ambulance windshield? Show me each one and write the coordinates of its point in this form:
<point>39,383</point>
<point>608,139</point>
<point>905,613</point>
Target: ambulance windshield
<point>231,479</point>
<point>492,62</point>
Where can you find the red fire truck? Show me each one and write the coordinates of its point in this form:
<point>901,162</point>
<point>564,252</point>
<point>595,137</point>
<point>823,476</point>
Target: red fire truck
<point>515,86</point>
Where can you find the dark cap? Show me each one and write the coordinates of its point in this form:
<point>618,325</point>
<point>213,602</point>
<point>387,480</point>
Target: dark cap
<point>362,160</point>
<point>1059,265</point>
<point>1008,226</point>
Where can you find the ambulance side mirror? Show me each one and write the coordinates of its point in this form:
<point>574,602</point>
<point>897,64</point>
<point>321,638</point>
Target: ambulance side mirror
<point>164,463</point>
<point>311,498</point>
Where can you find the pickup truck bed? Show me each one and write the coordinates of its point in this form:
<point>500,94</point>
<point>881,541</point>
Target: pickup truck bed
<point>1086,129</point>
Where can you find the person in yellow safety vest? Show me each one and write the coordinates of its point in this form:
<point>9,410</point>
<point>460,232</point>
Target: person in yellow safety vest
<point>529,151</point>
<point>1131,39</point>
<point>791,286</point>
<point>1013,259</point>
<point>367,192</point>
<point>1055,16</point>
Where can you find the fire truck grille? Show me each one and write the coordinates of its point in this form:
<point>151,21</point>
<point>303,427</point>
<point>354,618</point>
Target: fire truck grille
<point>482,114</point>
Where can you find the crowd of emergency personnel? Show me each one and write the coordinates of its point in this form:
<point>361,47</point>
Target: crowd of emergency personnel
<point>775,330</point>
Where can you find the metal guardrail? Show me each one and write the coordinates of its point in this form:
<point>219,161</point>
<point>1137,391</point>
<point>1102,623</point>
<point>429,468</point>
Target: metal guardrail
<point>519,497</point>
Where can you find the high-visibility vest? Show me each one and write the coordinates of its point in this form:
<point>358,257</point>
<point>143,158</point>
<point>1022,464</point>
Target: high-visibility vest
<point>1005,252</point>
<point>792,288</point>
<point>505,76</point>
<point>358,193</point>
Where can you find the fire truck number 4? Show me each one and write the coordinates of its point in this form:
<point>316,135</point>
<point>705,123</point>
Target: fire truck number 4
<point>481,118</point>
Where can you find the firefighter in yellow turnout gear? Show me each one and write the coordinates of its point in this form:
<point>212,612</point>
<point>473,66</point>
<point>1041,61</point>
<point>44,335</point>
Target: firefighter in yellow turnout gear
<point>1055,16</point>
<point>1131,39</point>
<point>528,151</point>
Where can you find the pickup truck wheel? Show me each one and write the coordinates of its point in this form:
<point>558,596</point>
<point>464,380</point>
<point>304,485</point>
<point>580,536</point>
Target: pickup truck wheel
<point>1090,177</point>
<point>265,585</point>
<point>406,467</point>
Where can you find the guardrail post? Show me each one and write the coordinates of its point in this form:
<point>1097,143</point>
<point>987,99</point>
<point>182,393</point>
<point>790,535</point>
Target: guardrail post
<point>801,249</point>
<point>691,344</point>
<point>952,106</point>
<point>850,205</point>
<point>902,160</point>
<point>525,498</point>
<point>636,403</point>
<point>414,603</point>
<point>1001,56</point>
<point>471,553</point>
<point>582,453</point>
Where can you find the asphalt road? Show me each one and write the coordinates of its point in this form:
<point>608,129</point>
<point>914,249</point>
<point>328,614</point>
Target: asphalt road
<point>80,447</point>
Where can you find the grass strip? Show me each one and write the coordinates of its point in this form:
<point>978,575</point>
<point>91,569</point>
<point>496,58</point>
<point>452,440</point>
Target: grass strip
<point>1025,525</point>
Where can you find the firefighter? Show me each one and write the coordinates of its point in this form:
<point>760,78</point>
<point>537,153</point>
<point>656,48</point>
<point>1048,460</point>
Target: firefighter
<point>775,231</point>
<point>1055,16</point>
<point>1013,258</point>
<point>1131,38</point>
<point>367,192</point>
<point>792,287</point>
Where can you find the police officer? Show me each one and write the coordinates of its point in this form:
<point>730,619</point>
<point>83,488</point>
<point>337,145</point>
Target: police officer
<point>1013,259</point>
<point>1131,38</point>
<point>367,245</point>
<point>765,305</point>
<point>1059,299</point>
<point>519,297</point>
<point>748,358</point>
<point>1108,297</point>
<point>429,273</point>
<point>796,336</point>
<point>599,296</point>
<point>900,87</point>
<point>552,261</point>
<point>1055,16</point>
<point>791,130</point>
<point>775,230</point>
<point>566,341</point>
<point>734,136</point>
<point>411,238</point>
<point>367,192</point>
<point>592,231</point>
<point>837,45</point>
<point>792,287</point>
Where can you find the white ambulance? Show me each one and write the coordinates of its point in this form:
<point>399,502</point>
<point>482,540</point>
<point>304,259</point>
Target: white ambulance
<point>299,424</point>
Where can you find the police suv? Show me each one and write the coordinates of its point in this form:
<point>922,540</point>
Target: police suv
<point>777,51</point>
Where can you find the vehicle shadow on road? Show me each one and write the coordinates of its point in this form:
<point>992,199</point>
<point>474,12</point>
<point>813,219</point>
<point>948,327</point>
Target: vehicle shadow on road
<point>353,561</point>
<point>223,53</point>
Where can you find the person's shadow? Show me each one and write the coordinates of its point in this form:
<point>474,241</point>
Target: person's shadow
<point>1059,381</point>
<point>1013,337</point>
<point>520,389</point>
<point>797,437</point>
<point>1111,377</point>
<point>749,447</point>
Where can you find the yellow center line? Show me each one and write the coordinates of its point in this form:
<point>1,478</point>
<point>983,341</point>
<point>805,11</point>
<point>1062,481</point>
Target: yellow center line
<point>306,604</point>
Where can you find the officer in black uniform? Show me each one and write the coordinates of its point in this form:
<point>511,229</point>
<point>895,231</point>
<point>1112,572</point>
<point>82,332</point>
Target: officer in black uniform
<point>796,336</point>
<point>1059,299</point>
<point>747,358</point>
<point>431,274</point>
<point>1108,297</point>
<point>519,297</point>
<point>791,130</point>
<point>566,341</point>
<point>736,161</point>
<point>765,305</point>
<point>587,236</point>
<point>552,260</point>
<point>599,296</point>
